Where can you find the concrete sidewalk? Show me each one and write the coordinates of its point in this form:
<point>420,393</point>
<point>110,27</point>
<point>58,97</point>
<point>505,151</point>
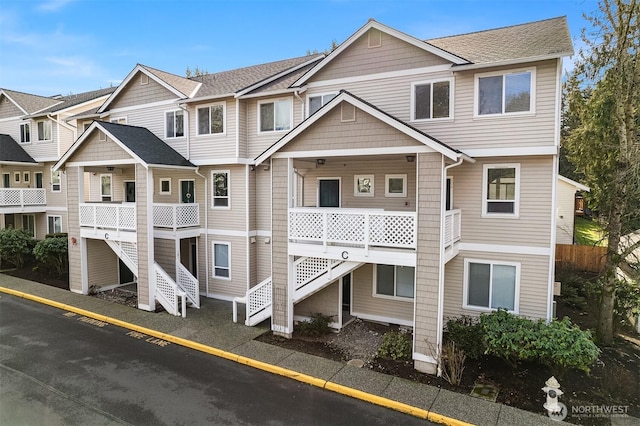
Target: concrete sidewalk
<point>211,329</point>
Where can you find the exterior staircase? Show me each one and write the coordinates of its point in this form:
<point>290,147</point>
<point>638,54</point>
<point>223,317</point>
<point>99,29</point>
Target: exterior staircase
<point>312,274</point>
<point>168,291</point>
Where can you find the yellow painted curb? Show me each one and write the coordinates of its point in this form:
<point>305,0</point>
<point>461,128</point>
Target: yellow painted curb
<point>281,371</point>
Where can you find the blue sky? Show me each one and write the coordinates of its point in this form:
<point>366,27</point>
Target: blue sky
<point>50,47</point>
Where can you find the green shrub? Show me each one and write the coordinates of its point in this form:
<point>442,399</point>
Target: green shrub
<point>627,302</point>
<point>14,244</point>
<point>317,326</point>
<point>54,253</point>
<point>467,334</point>
<point>395,345</point>
<point>560,344</point>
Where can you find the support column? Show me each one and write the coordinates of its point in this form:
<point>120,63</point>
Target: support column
<point>144,222</point>
<point>78,271</point>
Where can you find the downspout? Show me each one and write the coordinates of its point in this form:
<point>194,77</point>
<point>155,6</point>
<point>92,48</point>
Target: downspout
<point>238,128</point>
<point>206,232</point>
<point>297,95</point>
<point>443,195</point>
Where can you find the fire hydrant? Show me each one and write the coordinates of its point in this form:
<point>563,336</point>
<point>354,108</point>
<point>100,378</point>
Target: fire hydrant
<point>552,389</point>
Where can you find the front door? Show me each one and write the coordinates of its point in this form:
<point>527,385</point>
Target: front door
<point>130,192</point>
<point>6,180</point>
<point>126,276</point>
<point>329,193</point>
<point>346,293</point>
<point>38,180</point>
<point>187,194</point>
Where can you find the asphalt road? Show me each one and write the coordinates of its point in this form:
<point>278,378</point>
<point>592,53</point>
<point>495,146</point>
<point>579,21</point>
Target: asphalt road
<point>59,368</point>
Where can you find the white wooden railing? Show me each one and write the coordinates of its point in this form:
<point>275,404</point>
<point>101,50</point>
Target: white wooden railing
<point>120,217</point>
<point>258,302</point>
<point>22,197</point>
<point>356,227</point>
<point>307,269</point>
<point>452,227</point>
<point>168,293</point>
<point>176,216</point>
<point>189,284</point>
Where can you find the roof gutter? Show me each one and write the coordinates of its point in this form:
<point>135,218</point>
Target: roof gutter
<point>261,94</point>
<point>205,98</point>
<point>455,68</point>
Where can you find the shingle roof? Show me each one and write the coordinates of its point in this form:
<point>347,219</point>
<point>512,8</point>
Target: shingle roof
<point>535,39</point>
<point>79,98</point>
<point>286,81</point>
<point>151,149</point>
<point>183,84</point>
<point>233,81</point>
<point>11,151</point>
<point>31,103</point>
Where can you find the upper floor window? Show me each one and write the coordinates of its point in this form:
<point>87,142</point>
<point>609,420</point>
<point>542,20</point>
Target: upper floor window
<point>25,133</point>
<point>55,181</point>
<point>317,102</point>
<point>211,119</point>
<point>275,116</point>
<point>174,124</point>
<point>119,120</point>
<point>431,100</point>
<point>501,190</point>
<point>44,130</point>
<point>220,182</point>
<point>491,285</point>
<point>505,93</point>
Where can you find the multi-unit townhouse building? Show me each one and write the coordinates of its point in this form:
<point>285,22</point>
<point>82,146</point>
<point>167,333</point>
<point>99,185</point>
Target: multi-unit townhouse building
<point>395,180</point>
<point>34,133</point>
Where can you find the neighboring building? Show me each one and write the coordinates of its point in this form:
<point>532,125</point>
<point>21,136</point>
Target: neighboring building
<point>394,180</point>
<point>569,204</point>
<point>34,133</point>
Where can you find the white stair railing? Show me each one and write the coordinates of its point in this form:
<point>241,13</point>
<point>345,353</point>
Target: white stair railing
<point>189,284</point>
<point>311,277</point>
<point>167,292</point>
<point>258,301</point>
<point>127,252</point>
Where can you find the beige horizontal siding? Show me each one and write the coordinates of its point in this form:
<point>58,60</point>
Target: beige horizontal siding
<point>532,228</point>
<point>102,264</point>
<point>164,252</point>
<point>258,142</point>
<point>208,147</point>
<point>534,276</point>
<point>233,218</point>
<point>8,109</point>
<point>93,149</point>
<point>237,286</point>
<point>363,301</point>
<point>325,302</point>
<point>263,199</point>
<point>137,94</point>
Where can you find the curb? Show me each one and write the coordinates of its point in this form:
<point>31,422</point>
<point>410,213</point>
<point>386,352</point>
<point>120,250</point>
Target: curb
<point>274,369</point>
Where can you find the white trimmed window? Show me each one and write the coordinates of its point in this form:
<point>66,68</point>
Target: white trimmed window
<point>54,224</point>
<point>211,119</point>
<point>431,100</point>
<point>165,186</point>
<point>395,185</point>
<point>105,187</point>
<point>119,120</point>
<point>505,93</point>
<point>318,101</point>
<point>174,124</point>
<point>26,177</point>
<point>501,190</point>
<point>25,133</point>
<point>29,224</point>
<point>220,189</point>
<point>394,281</point>
<point>275,116</point>
<point>55,181</point>
<point>44,130</point>
<point>16,177</point>
<point>363,185</point>
<point>490,285</point>
<point>222,260</point>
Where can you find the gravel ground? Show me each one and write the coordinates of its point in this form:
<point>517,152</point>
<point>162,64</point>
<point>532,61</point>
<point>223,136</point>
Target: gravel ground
<point>359,340</point>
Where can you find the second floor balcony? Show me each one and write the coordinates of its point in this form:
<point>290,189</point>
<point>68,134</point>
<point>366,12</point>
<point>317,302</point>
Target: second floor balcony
<point>22,199</point>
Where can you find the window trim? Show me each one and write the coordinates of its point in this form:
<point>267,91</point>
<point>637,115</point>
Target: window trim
<point>485,181</point>
<point>44,123</point>
<point>160,191</point>
<point>451,81</point>
<point>403,176</point>
<point>116,120</point>
<point>224,119</point>
<point>53,185</point>
<point>395,284</point>
<point>49,231</point>
<point>33,218</point>
<point>144,79</point>
<point>28,133</point>
<point>102,195</point>
<point>357,193</point>
<point>213,259</point>
<point>321,96</point>
<point>26,177</point>
<point>273,101</point>
<point>184,129</point>
<point>214,197</point>
<point>532,93</point>
<point>492,263</point>
<point>17,177</point>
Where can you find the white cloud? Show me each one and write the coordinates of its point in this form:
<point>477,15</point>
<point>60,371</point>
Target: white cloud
<point>53,5</point>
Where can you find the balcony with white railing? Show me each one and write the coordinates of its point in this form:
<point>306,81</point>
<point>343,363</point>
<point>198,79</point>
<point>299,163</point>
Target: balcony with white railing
<point>122,216</point>
<point>22,199</point>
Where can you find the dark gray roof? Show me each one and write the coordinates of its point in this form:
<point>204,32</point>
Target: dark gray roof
<point>31,103</point>
<point>151,149</point>
<point>233,81</point>
<point>79,98</point>
<point>184,85</point>
<point>535,39</point>
<point>11,151</point>
<point>286,81</point>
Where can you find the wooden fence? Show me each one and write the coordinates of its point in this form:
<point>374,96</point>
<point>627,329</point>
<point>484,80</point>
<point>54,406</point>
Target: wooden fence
<point>583,258</point>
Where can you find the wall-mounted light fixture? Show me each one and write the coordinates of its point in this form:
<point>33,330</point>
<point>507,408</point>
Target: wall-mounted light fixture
<point>110,168</point>
<point>411,158</point>
<point>252,167</point>
<point>320,161</point>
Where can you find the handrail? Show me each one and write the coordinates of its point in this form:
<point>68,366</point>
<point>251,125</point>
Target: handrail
<point>22,197</point>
